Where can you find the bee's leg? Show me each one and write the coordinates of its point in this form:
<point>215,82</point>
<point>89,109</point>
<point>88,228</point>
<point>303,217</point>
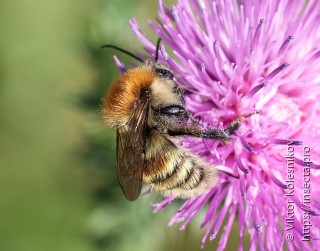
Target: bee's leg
<point>193,129</point>
<point>234,125</point>
<point>224,134</point>
<point>232,175</point>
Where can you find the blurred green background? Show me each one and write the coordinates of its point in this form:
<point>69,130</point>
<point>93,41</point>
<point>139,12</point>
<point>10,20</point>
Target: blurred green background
<point>58,179</point>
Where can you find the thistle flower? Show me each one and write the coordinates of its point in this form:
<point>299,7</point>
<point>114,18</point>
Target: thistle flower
<point>234,57</point>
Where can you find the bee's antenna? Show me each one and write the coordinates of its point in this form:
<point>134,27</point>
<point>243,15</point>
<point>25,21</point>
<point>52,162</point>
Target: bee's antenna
<point>122,50</point>
<point>157,50</point>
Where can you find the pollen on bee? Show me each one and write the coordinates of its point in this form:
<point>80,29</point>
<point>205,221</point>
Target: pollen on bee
<point>124,93</point>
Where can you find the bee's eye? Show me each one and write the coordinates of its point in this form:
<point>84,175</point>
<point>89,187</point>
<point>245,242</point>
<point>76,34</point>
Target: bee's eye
<point>171,110</point>
<point>164,73</point>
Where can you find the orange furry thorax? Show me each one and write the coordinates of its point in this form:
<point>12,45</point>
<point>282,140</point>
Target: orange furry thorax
<point>123,93</point>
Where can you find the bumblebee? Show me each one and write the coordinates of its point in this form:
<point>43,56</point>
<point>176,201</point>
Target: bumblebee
<point>147,109</point>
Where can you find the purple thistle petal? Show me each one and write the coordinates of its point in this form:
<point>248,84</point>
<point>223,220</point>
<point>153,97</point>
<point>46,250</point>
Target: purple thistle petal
<point>257,226</point>
<point>286,142</point>
<point>165,11</point>
<point>221,193</point>
<point>241,166</point>
<point>303,207</point>
<point>241,223</point>
<point>136,30</point>
<point>218,222</point>
<point>302,163</point>
<point>174,12</point>
<point>278,182</point>
<point>227,229</point>
<point>242,186</point>
<point>316,56</point>
<point>275,72</point>
<point>148,191</point>
<point>257,88</point>
<point>162,204</point>
<point>257,33</point>
<point>198,206</point>
<point>285,45</point>
<point>217,52</point>
<point>163,52</point>
<point>122,68</point>
<point>246,145</point>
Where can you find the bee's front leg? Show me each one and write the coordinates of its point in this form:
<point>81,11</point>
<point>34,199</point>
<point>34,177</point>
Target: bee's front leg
<point>224,134</point>
<point>193,129</point>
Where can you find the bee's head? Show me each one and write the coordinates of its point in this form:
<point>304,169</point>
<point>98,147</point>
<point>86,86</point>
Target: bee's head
<point>167,102</point>
<point>165,98</point>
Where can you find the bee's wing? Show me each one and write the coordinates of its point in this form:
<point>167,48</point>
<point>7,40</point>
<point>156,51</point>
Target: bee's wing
<point>131,151</point>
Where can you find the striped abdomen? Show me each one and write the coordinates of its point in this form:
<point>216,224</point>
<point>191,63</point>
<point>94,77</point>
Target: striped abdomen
<point>171,170</point>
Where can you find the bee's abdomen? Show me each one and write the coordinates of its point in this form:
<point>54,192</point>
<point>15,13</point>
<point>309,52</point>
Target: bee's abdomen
<point>174,171</point>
